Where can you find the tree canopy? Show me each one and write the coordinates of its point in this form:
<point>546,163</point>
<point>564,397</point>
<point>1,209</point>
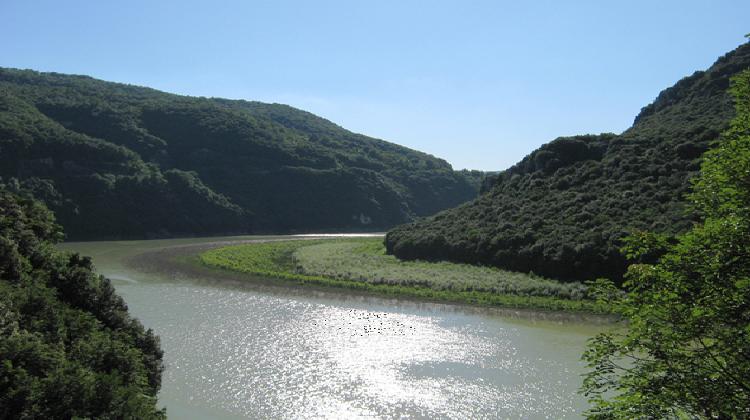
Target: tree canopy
<point>685,352</point>
<point>68,347</point>
<point>564,210</point>
<point>120,161</point>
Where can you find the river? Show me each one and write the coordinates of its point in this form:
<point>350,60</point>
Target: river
<point>252,349</point>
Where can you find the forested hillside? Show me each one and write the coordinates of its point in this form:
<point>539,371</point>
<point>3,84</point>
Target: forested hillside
<point>564,209</point>
<point>68,347</point>
<point>120,161</point>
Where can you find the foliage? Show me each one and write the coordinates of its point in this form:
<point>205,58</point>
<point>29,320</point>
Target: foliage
<point>121,161</point>
<point>266,259</point>
<point>361,264</point>
<point>367,261</point>
<point>686,351</point>
<point>68,347</point>
<point>564,209</point>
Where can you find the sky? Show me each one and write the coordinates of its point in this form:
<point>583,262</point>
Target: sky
<point>478,83</point>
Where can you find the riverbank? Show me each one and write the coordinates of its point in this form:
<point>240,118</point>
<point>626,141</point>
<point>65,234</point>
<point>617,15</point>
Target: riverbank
<point>239,345</point>
<point>361,264</point>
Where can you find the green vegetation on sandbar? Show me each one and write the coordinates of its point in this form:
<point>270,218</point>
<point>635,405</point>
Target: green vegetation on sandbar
<point>362,264</point>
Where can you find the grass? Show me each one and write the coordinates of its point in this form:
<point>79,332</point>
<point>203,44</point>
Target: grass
<point>361,264</point>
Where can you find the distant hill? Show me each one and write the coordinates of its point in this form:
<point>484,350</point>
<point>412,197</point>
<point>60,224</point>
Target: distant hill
<point>563,210</point>
<point>120,161</point>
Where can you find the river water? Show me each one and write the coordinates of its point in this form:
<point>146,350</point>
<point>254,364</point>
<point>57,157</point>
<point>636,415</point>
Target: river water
<point>254,349</point>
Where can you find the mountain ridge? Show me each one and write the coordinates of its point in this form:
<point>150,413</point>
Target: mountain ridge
<point>563,210</point>
<point>182,165</point>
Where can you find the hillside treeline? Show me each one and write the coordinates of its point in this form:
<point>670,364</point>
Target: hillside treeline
<point>120,161</point>
<point>564,209</point>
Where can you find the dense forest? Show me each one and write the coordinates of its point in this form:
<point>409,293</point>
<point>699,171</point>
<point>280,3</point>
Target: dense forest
<point>120,161</point>
<point>564,209</point>
<point>68,347</point>
<point>685,353</point>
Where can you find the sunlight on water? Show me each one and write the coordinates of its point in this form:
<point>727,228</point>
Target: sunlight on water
<point>265,356</point>
<point>238,352</point>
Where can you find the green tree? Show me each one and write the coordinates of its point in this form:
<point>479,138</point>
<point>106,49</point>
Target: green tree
<point>68,347</point>
<point>685,352</point>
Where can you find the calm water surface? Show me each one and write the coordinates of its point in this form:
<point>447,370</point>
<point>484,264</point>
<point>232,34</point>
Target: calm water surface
<point>254,351</point>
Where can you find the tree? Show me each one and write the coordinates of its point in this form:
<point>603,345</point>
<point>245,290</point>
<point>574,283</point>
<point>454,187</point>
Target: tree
<point>68,347</point>
<point>685,352</point>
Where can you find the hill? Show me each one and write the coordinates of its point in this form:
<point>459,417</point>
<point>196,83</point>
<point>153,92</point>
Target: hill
<point>121,161</point>
<point>563,210</point>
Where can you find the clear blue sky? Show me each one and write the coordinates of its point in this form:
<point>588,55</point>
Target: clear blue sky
<point>478,83</point>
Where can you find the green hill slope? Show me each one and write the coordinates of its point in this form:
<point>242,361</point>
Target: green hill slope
<point>121,161</point>
<point>563,210</point>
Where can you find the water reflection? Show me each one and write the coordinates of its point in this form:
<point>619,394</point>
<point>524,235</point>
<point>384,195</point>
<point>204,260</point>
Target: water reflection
<point>260,351</point>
